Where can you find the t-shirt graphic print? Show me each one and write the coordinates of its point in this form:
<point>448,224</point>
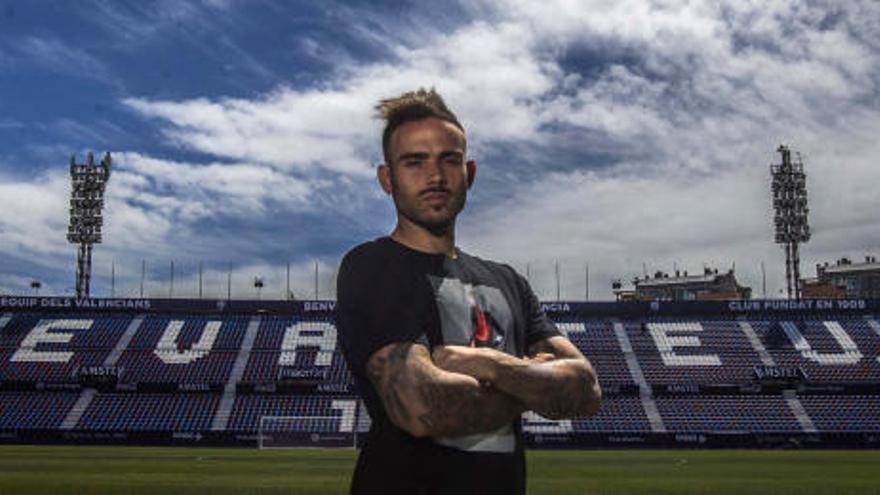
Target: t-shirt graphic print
<point>479,316</point>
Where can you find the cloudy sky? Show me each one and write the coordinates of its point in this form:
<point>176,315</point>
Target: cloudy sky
<point>626,135</point>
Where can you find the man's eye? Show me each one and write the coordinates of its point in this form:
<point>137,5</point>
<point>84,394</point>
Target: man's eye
<point>412,163</point>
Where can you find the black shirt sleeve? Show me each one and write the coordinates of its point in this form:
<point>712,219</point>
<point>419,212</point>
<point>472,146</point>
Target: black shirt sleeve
<point>377,304</point>
<point>538,325</point>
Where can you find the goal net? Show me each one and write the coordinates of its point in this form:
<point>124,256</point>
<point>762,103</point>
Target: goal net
<point>339,427</point>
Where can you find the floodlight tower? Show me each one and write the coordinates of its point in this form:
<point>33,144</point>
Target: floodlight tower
<point>86,203</point>
<point>789,186</point>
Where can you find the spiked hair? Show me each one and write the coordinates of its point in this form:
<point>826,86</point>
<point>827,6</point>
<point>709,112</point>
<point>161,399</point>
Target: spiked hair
<point>409,107</point>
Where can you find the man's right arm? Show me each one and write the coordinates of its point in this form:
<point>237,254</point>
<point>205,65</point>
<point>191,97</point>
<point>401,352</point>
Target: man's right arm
<point>427,401</point>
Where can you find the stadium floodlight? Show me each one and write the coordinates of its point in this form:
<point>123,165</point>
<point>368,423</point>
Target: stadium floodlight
<point>789,187</point>
<point>86,219</point>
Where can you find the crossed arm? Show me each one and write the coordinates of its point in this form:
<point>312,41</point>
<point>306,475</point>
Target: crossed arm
<point>556,381</point>
<point>425,400</point>
<point>462,390</point>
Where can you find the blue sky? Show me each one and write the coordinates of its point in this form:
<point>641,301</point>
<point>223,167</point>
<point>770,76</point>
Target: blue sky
<point>619,134</point>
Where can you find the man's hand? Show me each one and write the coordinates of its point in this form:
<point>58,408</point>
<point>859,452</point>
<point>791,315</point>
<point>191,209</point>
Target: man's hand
<point>541,357</point>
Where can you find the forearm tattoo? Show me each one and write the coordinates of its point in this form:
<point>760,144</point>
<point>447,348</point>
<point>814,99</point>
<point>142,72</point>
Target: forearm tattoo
<point>562,388</point>
<point>405,376</point>
<point>454,410</point>
<point>385,372</point>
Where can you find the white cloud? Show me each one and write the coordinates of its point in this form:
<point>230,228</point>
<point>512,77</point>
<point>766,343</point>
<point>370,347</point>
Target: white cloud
<point>699,66</point>
<point>34,217</point>
<point>696,190</point>
<point>206,190</point>
<point>155,206</point>
<point>291,131</point>
<point>688,100</point>
<point>152,207</point>
<point>486,71</point>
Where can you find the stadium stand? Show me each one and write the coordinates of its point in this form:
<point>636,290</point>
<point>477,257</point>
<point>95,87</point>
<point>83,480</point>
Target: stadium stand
<point>249,408</point>
<point>150,412</point>
<point>840,413</point>
<point>171,371</point>
<point>617,415</point>
<point>727,414</point>
<point>33,410</point>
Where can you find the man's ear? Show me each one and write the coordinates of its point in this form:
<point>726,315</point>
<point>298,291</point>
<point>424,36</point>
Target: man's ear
<point>471,172</point>
<point>383,173</point>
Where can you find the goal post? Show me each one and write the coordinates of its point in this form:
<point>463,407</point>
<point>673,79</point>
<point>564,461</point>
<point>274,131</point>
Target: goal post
<point>330,430</point>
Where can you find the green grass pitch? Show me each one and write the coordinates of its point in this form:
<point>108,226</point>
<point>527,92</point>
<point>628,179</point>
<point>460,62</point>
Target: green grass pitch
<point>179,470</point>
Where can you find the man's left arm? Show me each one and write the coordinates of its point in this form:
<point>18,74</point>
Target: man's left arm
<point>556,381</point>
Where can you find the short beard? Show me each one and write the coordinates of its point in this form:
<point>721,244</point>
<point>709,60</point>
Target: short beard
<point>437,229</point>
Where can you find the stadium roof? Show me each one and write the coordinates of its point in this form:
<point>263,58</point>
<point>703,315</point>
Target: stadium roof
<point>851,267</point>
<point>692,279</point>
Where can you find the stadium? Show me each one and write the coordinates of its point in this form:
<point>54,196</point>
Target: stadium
<point>211,162</point>
<point>269,375</point>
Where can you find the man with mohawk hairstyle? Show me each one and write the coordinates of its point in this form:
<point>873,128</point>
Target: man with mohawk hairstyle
<point>447,349</point>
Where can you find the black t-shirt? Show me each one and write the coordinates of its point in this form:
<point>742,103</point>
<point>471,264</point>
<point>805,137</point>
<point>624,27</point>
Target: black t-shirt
<point>390,293</point>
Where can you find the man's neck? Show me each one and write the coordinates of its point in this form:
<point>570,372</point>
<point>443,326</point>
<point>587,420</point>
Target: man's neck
<point>421,239</point>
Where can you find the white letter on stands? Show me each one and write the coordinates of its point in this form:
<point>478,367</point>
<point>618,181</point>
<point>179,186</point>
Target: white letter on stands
<point>533,422</point>
<point>300,334</point>
<point>666,343</point>
<point>571,328</point>
<point>166,348</point>
<point>850,354</point>
<point>41,335</point>
<point>347,408</point>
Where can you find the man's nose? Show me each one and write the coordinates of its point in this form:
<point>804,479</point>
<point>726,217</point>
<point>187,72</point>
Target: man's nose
<point>435,171</point>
